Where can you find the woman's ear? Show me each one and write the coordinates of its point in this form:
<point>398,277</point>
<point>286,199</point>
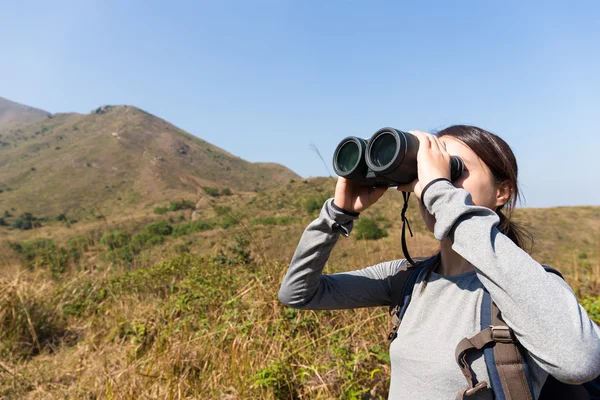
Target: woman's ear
<point>503,193</point>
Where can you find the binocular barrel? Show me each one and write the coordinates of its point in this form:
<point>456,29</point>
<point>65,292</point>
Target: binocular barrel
<point>388,158</point>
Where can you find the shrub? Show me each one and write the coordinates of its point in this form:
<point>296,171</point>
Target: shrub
<point>77,245</point>
<point>229,221</point>
<point>226,192</point>
<point>122,254</point>
<point>26,221</point>
<point>159,228</point>
<point>42,252</point>
<point>181,205</point>
<point>61,217</point>
<point>211,191</point>
<point>191,227</point>
<point>284,220</point>
<point>313,204</point>
<point>222,210</point>
<point>161,210</point>
<point>368,229</point>
<point>7,214</point>
<point>115,240</point>
<point>139,241</point>
<point>592,306</point>
<point>3,222</point>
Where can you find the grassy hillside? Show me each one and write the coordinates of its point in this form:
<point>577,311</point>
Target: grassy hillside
<point>12,114</point>
<point>115,161</point>
<point>147,305</point>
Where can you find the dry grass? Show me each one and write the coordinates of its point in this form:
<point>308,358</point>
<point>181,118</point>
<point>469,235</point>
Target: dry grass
<point>206,323</point>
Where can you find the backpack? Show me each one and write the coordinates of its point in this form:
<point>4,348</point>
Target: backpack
<point>507,369</point>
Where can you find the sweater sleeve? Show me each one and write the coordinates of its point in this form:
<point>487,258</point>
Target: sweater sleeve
<point>304,285</point>
<point>540,307</point>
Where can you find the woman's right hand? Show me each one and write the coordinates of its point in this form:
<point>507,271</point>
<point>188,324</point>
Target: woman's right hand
<point>356,198</point>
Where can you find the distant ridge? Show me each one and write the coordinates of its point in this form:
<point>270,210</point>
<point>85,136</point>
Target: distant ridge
<point>12,113</point>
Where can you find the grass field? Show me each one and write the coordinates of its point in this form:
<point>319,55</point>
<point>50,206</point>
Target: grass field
<point>160,307</point>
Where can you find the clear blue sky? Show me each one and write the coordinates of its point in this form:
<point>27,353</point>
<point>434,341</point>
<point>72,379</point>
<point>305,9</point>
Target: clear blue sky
<point>264,79</point>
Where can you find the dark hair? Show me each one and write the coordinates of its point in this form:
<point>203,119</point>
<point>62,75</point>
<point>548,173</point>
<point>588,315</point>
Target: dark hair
<point>501,161</point>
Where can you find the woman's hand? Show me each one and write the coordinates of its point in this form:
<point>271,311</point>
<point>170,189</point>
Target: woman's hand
<point>357,198</point>
<point>433,161</point>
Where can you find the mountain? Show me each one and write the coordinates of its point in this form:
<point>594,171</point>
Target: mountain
<point>12,113</point>
<point>113,159</point>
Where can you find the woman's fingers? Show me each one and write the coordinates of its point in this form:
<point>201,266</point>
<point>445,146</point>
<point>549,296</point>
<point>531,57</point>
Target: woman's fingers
<point>423,139</point>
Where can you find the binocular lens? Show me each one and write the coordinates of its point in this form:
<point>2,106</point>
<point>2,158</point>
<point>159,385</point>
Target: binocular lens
<point>383,150</point>
<point>348,156</point>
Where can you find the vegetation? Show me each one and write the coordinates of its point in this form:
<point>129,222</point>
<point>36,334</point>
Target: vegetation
<point>26,221</point>
<point>368,229</point>
<point>211,191</point>
<point>144,308</point>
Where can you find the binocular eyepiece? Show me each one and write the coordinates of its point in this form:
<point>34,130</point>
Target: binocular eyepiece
<point>388,158</point>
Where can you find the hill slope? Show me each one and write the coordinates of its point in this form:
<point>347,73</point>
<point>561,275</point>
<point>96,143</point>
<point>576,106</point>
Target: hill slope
<point>114,159</point>
<point>12,113</point>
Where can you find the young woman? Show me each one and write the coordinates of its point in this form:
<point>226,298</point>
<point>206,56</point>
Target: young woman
<point>481,249</point>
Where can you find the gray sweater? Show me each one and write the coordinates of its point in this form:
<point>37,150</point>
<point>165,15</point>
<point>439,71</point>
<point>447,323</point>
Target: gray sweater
<point>540,307</point>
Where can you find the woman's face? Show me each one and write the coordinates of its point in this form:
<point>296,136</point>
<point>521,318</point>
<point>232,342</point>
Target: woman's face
<point>476,179</point>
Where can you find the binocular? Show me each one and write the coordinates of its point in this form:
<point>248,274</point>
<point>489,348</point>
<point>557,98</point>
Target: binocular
<point>388,158</point>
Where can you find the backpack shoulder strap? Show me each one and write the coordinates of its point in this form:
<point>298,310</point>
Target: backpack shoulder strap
<point>403,283</point>
<point>507,369</point>
<point>503,359</point>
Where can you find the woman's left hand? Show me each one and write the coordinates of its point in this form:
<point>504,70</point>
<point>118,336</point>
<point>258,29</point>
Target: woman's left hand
<point>433,161</point>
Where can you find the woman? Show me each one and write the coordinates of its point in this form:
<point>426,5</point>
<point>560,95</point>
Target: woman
<point>480,249</point>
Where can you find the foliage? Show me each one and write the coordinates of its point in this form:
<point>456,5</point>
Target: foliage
<point>191,227</point>
<point>283,220</point>
<point>366,228</point>
<point>116,239</point>
<point>182,205</point>
<point>592,306</point>
<point>161,210</point>
<point>159,228</point>
<point>211,191</point>
<point>226,192</point>
<point>26,221</point>
<point>222,210</point>
<point>313,204</point>
<point>42,253</point>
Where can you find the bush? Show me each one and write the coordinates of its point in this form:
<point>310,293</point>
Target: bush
<point>181,205</point>
<point>314,203</point>
<point>77,245</point>
<point>368,229</point>
<point>592,306</point>
<point>226,192</point>
<point>161,210</point>
<point>211,191</point>
<point>115,240</point>
<point>26,221</point>
<point>42,252</point>
<point>229,221</point>
<point>61,217</point>
<point>159,228</point>
<point>284,220</point>
<point>139,241</point>
<point>222,210</point>
<point>3,222</point>
<point>191,227</point>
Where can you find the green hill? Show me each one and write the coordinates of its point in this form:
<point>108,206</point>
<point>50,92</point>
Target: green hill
<point>116,158</point>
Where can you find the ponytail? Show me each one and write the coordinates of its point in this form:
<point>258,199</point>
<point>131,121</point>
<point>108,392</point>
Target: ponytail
<point>515,232</point>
